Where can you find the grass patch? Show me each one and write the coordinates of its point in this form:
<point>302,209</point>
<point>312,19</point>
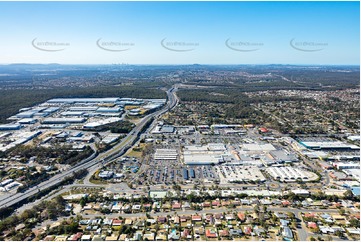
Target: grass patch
<point>136,152</point>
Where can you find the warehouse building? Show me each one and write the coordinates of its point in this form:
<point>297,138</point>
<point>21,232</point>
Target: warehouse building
<point>281,156</point>
<point>84,108</point>
<point>328,145</point>
<point>346,165</point>
<point>161,128</point>
<point>63,120</point>
<point>51,110</point>
<point>10,126</point>
<point>95,124</point>
<point>26,114</point>
<point>109,110</point>
<point>72,113</point>
<point>27,121</point>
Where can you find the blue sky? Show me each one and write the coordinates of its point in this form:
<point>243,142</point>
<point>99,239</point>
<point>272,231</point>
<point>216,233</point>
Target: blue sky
<point>194,32</point>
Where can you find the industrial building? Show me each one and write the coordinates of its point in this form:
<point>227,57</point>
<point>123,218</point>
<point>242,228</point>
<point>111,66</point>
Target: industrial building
<point>27,121</point>
<point>346,165</point>
<point>160,128</point>
<point>282,156</point>
<point>63,120</point>
<point>10,126</point>
<point>109,110</point>
<point>328,145</point>
<point>72,113</point>
<point>95,124</point>
<point>51,110</point>
<point>110,138</point>
<point>26,114</point>
<point>84,108</point>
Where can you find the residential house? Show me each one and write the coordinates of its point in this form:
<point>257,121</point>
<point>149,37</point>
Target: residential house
<point>286,203</point>
<point>185,233</point>
<point>128,221</point>
<point>236,232</point>
<point>211,233</point>
<point>162,219</point>
<point>206,204</point>
<point>176,206</point>
<point>86,237</point>
<point>75,237</point>
<point>196,218</point>
<point>148,236</point>
<point>247,230</point>
<point>241,216</point>
<point>117,222</point>
<point>312,225</point>
<point>209,219</point>
<point>224,233</point>
<point>176,220</point>
<point>216,203</point>
<point>229,217</point>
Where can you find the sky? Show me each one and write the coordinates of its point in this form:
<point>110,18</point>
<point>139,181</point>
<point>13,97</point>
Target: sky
<point>180,32</point>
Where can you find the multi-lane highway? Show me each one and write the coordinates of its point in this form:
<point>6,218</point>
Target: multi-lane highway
<point>95,159</point>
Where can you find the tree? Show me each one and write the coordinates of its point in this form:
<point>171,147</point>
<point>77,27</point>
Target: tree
<point>82,202</point>
<point>349,195</point>
<point>338,233</point>
<point>256,209</point>
<point>354,223</point>
<point>60,200</point>
<point>342,211</point>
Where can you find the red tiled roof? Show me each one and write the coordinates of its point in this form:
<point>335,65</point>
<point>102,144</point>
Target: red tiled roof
<point>247,230</point>
<point>215,203</point>
<point>286,203</point>
<point>177,205</point>
<point>206,204</point>
<point>209,234</point>
<point>117,221</point>
<point>241,216</point>
<point>310,215</point>
<point>312,225</point>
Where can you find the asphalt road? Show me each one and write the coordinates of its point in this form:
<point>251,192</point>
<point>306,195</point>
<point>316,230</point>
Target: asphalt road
<point>93,160</point>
